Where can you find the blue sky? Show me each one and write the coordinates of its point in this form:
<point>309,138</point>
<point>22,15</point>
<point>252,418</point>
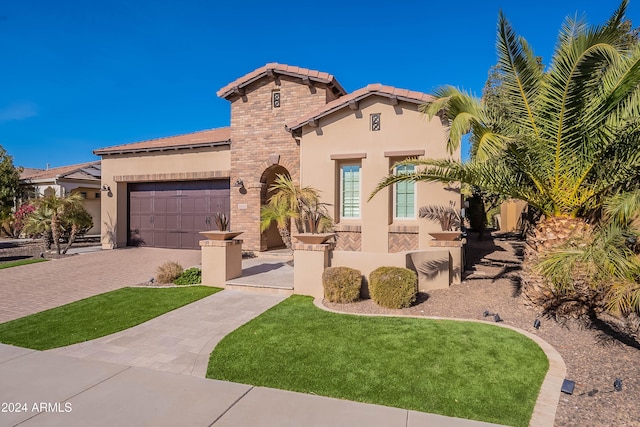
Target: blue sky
<point>80,75</point>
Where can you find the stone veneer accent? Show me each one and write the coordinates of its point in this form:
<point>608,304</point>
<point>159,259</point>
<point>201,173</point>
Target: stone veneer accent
<point>403,238</point>
<point>259,141</point>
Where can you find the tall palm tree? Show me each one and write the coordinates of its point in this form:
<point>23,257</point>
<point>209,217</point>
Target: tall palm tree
<point>571,138</point>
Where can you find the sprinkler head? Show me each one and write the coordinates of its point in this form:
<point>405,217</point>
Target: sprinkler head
<point>617,384</point>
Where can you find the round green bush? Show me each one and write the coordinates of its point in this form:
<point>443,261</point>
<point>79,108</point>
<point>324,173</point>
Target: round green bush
<point>393,287</point>
<point>191,276</point>
<point>341,284</point>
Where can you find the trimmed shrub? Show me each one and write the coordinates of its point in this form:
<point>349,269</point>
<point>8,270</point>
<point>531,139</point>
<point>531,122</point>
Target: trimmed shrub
<point>341,284</point>
<point>168,272</point>
<point>191,276</point>
<point>393,287</point>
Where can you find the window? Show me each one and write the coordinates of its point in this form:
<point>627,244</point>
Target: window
<point>405,194</point>
<point>83,194</point>
<point>97,195</point>
<point>350,191</point>
<point>275,99</point>
<point>375,122</point>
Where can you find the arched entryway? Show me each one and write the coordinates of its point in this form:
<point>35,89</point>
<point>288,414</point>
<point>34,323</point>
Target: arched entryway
<point>271,237</point>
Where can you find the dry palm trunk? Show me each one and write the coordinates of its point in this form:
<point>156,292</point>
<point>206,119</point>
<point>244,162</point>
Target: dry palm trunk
<point>55,231</point>
<point>285,236</point>
<point>550,233</point>
<point>72,237</point>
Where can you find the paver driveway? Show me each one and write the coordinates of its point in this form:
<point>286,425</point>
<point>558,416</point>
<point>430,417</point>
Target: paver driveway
<point>32,288</point>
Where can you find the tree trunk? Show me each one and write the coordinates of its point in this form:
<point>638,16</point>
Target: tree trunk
<point>72,238</point>
<point>55,231</point>
<point>547,235</point>
<point>286,236</point>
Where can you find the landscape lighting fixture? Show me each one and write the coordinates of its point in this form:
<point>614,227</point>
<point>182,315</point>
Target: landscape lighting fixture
<point>617,384</point>
<point>568,386</point>
<point>497,318</point>
<point>486,313</point>
<point>536,323</point>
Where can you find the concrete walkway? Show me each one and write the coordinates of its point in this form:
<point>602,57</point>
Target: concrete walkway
<point>33,288</point>
<point>55,390</point>
<point>179,341</point>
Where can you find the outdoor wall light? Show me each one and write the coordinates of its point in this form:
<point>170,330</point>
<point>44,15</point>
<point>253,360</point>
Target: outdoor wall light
<point>105,188</point>
<point>617,384</point>
<point>536,323</point>
<point>239,183</point>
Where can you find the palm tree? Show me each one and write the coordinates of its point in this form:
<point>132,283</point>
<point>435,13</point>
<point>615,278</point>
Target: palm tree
<point>280,212</point>
<point>286,192</point>
<point>75,221</point>
<point>38,223</point>
<point>52,210</point>
<point>571,137</point>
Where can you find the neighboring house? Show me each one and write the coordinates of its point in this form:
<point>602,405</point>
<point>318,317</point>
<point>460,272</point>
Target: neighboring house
<point>284,120</point>
<point>82,178</point>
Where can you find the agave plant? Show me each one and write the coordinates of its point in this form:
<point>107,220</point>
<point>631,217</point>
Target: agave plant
<point>221,220</point>
<point>569,142</point>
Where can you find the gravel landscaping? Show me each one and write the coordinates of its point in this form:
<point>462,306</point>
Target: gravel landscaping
<point>594,354</point>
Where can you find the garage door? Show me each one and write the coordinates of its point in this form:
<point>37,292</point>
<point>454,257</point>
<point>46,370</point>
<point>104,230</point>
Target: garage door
<point>170,214</point>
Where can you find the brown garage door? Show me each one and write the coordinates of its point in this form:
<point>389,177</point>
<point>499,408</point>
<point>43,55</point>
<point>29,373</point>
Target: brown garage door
<point>170,214</point>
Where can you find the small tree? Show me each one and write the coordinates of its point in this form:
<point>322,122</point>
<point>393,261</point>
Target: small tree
<point>74,222</point>
<point>49,215</point>
<point>280,213</point>
<point>9,183</point>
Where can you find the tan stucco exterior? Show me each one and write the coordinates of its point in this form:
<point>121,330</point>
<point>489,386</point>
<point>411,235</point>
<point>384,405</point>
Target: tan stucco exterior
<point>511,214</point>
<point>177,165</point>
<point>345,138</point>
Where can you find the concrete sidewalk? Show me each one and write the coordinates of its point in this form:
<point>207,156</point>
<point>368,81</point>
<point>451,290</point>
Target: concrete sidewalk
<point>181,340</point>
<point>47,389</point>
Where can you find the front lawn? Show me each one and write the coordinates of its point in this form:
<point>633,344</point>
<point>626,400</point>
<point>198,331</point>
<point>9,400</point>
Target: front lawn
<point>21,262</point>
<point>97,316</point>
<point>460,369</point>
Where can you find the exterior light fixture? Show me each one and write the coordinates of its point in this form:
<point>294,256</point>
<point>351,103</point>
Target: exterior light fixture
<point>105,188</point>
<point>568,386</point>
<point>536,323</point>
<point>239,183</point>
<point>617,384</point>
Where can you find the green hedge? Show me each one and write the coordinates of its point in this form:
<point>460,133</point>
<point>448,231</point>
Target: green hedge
<point>341,284</point>
<point>393,287</point>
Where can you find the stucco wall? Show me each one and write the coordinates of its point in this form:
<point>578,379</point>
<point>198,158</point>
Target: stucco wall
<point>177,165</point>
<point>347,132</point>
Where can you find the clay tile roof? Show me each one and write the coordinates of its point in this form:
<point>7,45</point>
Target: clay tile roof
<point>204,138</point>
<point>372,89</point>
<point>283,69</point>
<point>30,174</point>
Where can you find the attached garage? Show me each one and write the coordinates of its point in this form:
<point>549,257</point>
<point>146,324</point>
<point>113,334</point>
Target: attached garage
<point>170,214</point>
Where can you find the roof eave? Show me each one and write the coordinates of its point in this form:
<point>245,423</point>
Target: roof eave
<point>108,152</point>
<point>332,83</point>
<point>340,106</point>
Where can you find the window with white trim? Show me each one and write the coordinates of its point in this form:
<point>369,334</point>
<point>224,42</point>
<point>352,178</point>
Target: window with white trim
<point>404,194</point>
<point>350,191</point>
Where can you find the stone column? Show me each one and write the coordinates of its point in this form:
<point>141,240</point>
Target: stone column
<point>221,261</point>
<point>309,262</point>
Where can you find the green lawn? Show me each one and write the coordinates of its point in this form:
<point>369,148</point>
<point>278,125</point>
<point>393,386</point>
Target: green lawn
<point>459,369</point>
<point>21,262</point>
<point>97,316</point>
